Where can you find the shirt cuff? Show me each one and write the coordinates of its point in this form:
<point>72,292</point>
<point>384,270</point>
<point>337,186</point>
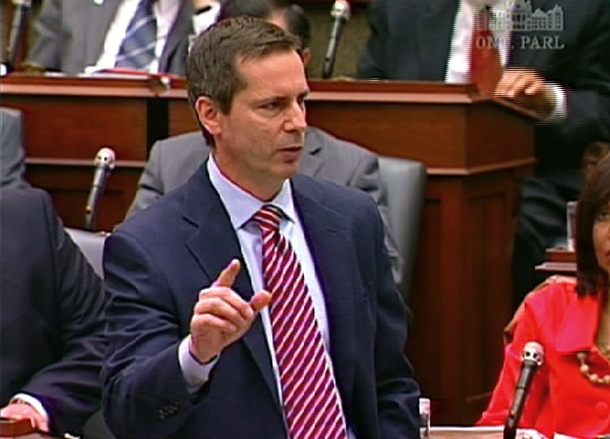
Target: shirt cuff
<point>560,111</point>
<point>195,374</point>
<point>34,402</point>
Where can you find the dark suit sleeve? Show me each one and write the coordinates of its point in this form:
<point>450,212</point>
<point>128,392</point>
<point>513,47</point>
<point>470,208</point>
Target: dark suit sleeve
<point>70,388</point>
<point>150,185</point>
<point>145,394</point>
<point>372,60</point>
<point>12,155</point>
<point>588,88</point>
<point>46,50</point>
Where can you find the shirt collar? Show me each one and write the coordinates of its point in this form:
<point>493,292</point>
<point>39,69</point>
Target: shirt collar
<point>241,205</point>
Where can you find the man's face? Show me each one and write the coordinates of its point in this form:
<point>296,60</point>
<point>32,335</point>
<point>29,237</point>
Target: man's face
<point>259,143</point>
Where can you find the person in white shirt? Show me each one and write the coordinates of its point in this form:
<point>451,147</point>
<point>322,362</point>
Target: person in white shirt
<point>73,36</point>
<point>554,59</point>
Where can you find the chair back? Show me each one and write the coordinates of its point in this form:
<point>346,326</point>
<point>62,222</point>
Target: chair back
<point>404,182</point>
<point>91,245</point>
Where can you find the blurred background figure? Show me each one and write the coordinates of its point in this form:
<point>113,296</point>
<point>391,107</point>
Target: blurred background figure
<point>147,35</point>
<point>570,394</point>
<point>12,155</point>
<point>51,311</point>
<point>562,72</point>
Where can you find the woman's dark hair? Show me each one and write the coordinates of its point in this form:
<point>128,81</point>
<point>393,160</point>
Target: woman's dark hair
<point>594,198</point>
<point>295,17</point>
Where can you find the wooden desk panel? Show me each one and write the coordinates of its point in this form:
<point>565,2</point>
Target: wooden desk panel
<point>67,120</point>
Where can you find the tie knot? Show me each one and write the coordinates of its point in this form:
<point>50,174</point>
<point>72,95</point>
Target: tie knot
<point>268,217</point>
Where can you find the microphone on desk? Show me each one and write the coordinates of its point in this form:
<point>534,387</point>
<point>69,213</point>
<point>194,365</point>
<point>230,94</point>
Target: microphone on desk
<point>340,14</point>
<point>20,16</point>
<point>532,358</point>
<point>104,164</point>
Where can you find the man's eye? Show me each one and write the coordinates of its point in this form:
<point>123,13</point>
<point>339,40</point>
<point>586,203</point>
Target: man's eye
<point>271,106</point>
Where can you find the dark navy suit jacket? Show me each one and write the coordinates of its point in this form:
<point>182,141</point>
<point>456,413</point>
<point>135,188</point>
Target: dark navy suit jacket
<point>159,260</point>
<point>51,305</point>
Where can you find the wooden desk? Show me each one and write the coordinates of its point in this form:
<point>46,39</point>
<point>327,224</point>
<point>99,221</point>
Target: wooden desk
<point>559,261</point>
<point>67,120</point>
<point>461,292</point>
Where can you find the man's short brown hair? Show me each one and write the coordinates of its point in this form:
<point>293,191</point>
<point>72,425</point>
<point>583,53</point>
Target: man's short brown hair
<point>212,64</point>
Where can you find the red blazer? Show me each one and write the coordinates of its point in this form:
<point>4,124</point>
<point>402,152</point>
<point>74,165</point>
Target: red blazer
<point>561,399</point>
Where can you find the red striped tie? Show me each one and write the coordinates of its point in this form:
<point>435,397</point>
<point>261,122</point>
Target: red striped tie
<point>310,395</point>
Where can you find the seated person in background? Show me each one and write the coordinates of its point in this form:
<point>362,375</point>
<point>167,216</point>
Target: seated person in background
<point>174,160</point>
<point>594,152</point>
<point>570,393</point>
<point>563,75</point>
<point>147,35</point>
<point>51,318</point>
<point>12,156</point>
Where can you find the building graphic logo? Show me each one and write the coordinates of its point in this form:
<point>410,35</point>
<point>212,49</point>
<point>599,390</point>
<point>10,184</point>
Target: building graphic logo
<point>522,17</point>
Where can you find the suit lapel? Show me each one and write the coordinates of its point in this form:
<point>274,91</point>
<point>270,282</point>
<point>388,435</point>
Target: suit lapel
<point>213,244</point>
<point>311,162</point>
<point>99,19</point>
<point>435,29</point>
<point>178,36</point>
<point>326,239</point>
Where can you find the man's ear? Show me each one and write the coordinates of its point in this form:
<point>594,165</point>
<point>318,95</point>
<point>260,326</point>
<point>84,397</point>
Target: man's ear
<point>208,114</point>
<point>306,56</point>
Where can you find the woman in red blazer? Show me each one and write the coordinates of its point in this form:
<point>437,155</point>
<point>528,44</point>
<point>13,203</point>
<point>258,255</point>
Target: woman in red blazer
<point>570,393</point>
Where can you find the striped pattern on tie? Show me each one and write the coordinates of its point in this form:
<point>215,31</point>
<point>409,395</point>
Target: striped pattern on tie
<point>311,399</point>
<point>137,50</point>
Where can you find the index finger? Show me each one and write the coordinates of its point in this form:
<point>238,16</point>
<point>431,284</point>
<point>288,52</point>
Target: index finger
<point>227,277</point>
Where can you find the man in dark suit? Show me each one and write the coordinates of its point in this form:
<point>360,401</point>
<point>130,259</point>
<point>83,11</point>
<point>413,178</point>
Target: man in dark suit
<point>172,161</point>
<point>75,34</point>
<point>52,322</point>
<point>12,156</point>
<point>193,349</point>
<point>561,71</point>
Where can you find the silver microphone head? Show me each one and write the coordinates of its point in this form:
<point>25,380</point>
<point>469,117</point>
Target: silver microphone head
<point>341,9</point>
<point>533,352</point>
<point>105,157</point>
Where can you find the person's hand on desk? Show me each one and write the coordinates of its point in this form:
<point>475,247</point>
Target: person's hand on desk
<point>221,316</point>
<point>528,89</point>
<point>19,409</point>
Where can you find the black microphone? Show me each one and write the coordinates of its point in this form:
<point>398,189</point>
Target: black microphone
<point>104,164</point>
<point>20,16</point>
<point>532,358</point>
<point>340,14</point>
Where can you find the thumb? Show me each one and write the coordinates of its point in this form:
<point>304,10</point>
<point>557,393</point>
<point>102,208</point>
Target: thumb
<point>227,277</point>
<point>260,300</point>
